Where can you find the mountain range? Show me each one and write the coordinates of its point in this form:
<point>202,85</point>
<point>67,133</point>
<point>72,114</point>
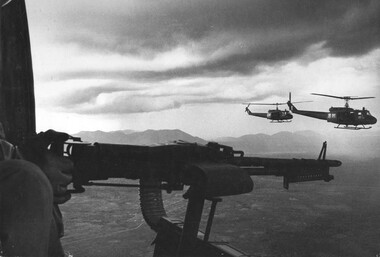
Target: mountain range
<point>300,144</point>
<point>147,137</point>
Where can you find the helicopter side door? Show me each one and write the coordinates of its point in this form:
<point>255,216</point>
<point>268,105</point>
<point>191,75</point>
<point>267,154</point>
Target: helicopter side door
<point>332,117</point>
<point>275,115</point>
<point>360,117</point>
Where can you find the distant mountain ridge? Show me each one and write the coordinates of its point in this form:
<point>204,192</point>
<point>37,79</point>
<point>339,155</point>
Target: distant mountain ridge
<point>147,137</point>
<point>300,144</point>
<point>308,143</point>
<point>282,143</point>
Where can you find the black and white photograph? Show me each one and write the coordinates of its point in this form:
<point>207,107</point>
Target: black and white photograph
<point>170,128</point>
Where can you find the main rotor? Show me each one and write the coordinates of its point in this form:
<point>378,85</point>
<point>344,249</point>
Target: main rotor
<point>345,98</point>
<point>276,104</point>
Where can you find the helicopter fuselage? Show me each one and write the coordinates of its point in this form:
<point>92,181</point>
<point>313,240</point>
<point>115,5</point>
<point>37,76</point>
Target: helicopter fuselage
<point>349,116</point>
<point>279,115</point>
<point>345,116</point>
<point>274,115</point>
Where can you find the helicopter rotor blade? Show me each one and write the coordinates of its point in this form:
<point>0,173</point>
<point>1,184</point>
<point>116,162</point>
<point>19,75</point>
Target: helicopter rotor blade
<point>266,103</point>
<point>358,98</point>
<point>333,96</point>
<point>301,102</point>
<point>345,97</point>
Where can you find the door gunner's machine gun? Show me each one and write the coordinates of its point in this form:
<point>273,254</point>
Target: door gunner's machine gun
<point>211,171</point>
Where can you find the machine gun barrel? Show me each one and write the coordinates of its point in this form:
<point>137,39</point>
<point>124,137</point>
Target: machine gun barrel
<point>278,164</point>
<point>293,170</point>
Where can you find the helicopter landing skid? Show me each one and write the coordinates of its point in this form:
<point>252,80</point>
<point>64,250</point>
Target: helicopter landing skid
<point>352,127</point>
<point>280,121</point>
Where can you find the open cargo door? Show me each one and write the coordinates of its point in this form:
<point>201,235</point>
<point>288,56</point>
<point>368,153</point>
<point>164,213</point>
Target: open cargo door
<point>17,106</point>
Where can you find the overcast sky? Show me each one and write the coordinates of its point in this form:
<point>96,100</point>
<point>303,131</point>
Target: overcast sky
<point>109,65</point>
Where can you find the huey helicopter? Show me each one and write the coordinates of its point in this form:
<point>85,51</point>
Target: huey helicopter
<point>345,117</point>
<point>275,115</point>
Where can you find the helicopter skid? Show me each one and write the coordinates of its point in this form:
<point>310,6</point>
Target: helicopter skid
<point>280,121</point>
<point>352,127</point>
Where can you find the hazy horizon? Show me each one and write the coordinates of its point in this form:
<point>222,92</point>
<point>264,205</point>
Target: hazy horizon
<point>283,144</point>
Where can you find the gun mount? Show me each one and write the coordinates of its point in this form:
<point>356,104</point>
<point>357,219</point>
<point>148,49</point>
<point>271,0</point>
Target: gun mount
<point>210,171</point>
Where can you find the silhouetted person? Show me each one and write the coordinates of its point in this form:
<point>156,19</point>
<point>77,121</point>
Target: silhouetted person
<point>29,222</point>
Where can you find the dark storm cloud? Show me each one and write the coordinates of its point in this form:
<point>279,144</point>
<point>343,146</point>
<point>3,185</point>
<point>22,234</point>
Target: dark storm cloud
<point>238,63</point>
<point>166,23</point>
<point>284,28</point>
<point>358,30</point>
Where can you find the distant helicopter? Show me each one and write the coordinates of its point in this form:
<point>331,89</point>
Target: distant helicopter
<point>345,117</point>
<point>274,115</point>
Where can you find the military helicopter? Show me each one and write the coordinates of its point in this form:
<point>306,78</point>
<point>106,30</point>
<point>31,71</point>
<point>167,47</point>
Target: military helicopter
<point>275,115</point>
<point>345,117</point>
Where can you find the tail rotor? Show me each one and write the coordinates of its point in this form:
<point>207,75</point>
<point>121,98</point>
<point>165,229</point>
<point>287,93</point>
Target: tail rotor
<point>290,105</point>
<point>247,108</point>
